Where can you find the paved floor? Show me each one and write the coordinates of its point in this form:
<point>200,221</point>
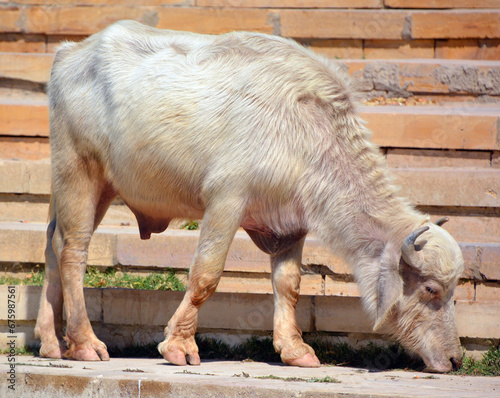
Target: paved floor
<point>37,377</point>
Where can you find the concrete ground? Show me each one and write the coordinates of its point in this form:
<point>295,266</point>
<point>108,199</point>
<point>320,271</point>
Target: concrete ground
<point>37,377</point>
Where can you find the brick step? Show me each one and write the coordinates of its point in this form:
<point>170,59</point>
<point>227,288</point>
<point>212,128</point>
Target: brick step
<point>471,78</point>
<point>426,186</point>
<point>243,312</point>
<point>466,225</point>
<point>303,4</point>
<point>435,180</point>
<point>441,4</point>
<point>24,243</point>
<point>298,23</point>
<point>458,126</point>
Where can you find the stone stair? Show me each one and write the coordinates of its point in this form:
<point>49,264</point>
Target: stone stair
<point>445,154</point>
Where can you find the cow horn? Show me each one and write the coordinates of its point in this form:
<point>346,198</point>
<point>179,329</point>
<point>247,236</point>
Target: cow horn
<point>410,251</point>
<point>441,221</point>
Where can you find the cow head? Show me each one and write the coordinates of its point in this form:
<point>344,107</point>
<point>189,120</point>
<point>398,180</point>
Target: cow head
<point>415,300</point>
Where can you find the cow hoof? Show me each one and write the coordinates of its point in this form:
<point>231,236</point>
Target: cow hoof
<point>53,351</point>
<point>87,353</point>
<point>178,357</point>
<point>306,361</point>
<point>175,357</point>
<point>193,359</point>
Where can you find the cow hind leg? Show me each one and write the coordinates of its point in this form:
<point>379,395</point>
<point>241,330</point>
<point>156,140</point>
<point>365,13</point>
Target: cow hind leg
<point>287,338</point>
<point>49,321</point>
<point>80,202</point>
<point>218,229</point>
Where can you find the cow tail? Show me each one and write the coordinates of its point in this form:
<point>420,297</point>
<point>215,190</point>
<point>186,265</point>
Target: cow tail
<point>52,206</point>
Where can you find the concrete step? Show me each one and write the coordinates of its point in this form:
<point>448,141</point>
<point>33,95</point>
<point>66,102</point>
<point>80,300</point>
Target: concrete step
<point>466,224</point>
<point>461,126</point>
<point>398,77</point>
<point>24,243</point>
<point>244,312</point>
<point>429,186</point>
<point>148,378</point>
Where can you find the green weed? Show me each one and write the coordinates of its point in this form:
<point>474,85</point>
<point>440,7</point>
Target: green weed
<point>488,365</point>
<point>33,279</point>
<point>190,225</point>
<point>24,350</point>
<point>109,278</point>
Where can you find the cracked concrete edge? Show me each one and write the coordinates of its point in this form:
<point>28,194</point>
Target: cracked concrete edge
<point>69,386</point>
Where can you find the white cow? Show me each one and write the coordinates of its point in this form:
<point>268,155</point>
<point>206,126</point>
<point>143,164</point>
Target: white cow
<point>242,130</point>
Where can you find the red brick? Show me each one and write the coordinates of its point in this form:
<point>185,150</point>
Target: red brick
<point>24,119</point>
<point>488,291</point>
<point>468,49</point>
<point>103,2</point>
<point>54,42</point>
<point>18,43</point>
<point>468,127</point>
<point>315,253</point>
<point>465,291</point>
<point>341,314</point>
<point>9,21</point>
<point>81,20</point>
<point>216,20</point>
<point>291,3</point>
<point>231,282</point>
<point>457,49</point>
<point>409,158</point>
<point>495,160</point>
<point>338,48</point>
<point>482,261</point>
<point>408,77</point>
<point>345,24</point>
<point>30,67</point>
<point>450,187</point>
<point>143,307</point>
<point>398,49</point>
<point>460,24</point>
<point>478,320</point>
<point>472,228</point>
<point>442,3</point>
<point>343,289</point>
<point>27,148</point>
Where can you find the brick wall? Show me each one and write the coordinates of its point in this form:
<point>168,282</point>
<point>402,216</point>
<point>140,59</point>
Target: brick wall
<point>445,154</point>
<point>345,29</point>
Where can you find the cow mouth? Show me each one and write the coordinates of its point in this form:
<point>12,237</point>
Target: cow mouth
<point>441,365</point>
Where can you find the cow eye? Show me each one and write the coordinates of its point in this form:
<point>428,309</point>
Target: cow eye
<point>430,290</point>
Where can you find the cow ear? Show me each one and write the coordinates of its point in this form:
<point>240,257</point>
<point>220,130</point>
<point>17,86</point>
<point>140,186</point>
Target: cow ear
<point>389,286</point>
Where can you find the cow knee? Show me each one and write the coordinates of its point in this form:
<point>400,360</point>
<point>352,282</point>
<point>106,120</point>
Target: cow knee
<point>202,286</point>
<point>287,282</point>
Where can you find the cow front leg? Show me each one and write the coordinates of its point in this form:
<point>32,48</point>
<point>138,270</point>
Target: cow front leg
<point>287,338</point>
<point>218,229</point>
<point>49,321</point>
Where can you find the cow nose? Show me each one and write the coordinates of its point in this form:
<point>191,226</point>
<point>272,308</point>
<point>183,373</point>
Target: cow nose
<point>456,363</point>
